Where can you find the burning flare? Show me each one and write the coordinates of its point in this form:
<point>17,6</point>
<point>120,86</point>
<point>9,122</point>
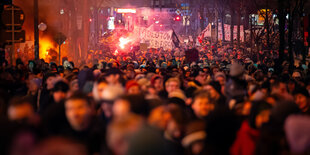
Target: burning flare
<point>115,52</point>
<point>123,42</point>
<point>45,46</point>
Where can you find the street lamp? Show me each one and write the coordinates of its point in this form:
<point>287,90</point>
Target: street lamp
<point>42,26</point>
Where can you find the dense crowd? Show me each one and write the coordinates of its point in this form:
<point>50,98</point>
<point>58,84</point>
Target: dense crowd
<point>225,101</point>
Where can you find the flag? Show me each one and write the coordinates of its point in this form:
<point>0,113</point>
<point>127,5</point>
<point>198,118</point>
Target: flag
<point>205,33</point>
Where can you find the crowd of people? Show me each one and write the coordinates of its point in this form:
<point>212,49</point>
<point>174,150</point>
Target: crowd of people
<point>225,101</point>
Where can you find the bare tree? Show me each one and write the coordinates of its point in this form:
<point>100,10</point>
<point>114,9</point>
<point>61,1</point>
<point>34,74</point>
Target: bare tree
<point>221,6</point>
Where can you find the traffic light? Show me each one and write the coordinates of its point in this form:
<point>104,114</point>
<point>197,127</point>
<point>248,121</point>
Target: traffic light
<point>177,18</point>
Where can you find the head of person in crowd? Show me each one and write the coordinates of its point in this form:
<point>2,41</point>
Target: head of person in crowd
<point>270,72</point>
<point>157,83</point>
<point>67,65</point>
<point>259,114</point>
<point>297,76</point>
<point>136,104</point>
<point>121,108</point>
<point>177,97</point>
<point>214,89</point>
<point>21,109</point>
<point>113,76</point>
<point>279,88</point>
<point>159,117</point>
<point>302,99</point>
<point>220,77</point>
<point>172,84</point>
<point>34,85</point>
<point>120,132</point>
<point>53,67</point>
<point>107,97</point>
<point>203,104</point>
<point>31,66</point>
<point>236,70</point>
<point>200,76</point>
<point>130,72</point>
<point>74,85</point>
<point>214,70</point>
<point>98,88</point>
<point>48,80</point>
<point>175,126</point>
<point>133,87</point>
<point>259,76</point>
<point>144,84</point>
<point>60,91</point>
<point>84,76</point>
<point>291,84</point>
<point>79,111</point>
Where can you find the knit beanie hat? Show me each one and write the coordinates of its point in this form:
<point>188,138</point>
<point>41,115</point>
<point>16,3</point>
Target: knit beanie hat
<point>194,131</point>
<point>130,84</point>
<point>301,90</point>
<point>111,93</point>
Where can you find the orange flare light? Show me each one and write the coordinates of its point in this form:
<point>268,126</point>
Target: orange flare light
<point>45,45</point>
<point>115,52</point>
<point>123,42</point>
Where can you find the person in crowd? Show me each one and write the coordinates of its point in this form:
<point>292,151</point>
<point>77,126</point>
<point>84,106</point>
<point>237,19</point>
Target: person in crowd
<point>215,90</point>
<point>248,134</point>
<point>200,78</point>
<point>203,104</point>
<point>113,76</point>
<point>45,93</point>
<point>170,85</point>
<point>133,87</point>
<point>302,99</point>
<point>60,91</point>
<point>194,136</point>
<point>280,88</point>
<point>21,109</point>
<point>80,113</point>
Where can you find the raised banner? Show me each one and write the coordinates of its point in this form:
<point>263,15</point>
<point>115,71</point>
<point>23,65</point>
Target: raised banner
<point>155,39</point>
<point>227,32</point>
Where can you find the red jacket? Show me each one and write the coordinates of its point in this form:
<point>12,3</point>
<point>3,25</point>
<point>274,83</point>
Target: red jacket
<point>245,142</point>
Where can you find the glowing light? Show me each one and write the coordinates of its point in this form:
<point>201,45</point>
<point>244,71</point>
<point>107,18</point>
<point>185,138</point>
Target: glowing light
<point>126,10</point>
<point>178,18</point>
<point>45,45</point>
<point>161,25</point>
<point>123,42</point>
<point>115,52</point>
<point>90,20</point>
<point>62,11</point>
